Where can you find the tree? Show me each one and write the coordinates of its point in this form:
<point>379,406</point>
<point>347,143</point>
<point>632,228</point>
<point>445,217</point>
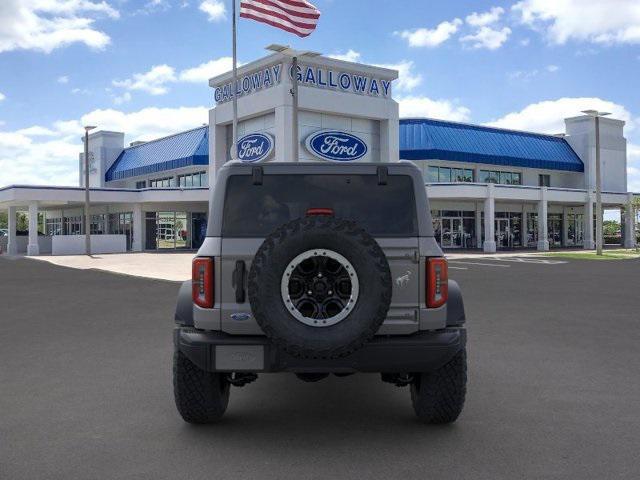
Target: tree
<point>611,228</point>
<point>3,220</point>
<point>635,212</point>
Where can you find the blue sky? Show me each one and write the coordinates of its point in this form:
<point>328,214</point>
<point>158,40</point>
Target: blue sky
<point>142,66</point>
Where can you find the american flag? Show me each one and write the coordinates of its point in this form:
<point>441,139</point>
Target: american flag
<point>294,16</point>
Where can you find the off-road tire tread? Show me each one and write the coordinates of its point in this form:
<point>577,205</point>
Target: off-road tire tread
<point>438,397</point>
<point>338,225</point>
<point>197,392</point>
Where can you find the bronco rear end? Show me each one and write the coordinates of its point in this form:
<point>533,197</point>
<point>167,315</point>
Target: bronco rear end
<point>317,269</point>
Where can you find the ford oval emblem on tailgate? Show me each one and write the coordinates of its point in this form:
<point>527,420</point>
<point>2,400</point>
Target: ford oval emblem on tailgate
<point>240,316</point>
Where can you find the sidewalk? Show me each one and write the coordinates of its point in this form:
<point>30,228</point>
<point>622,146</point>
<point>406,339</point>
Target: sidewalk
<point>174,267</point>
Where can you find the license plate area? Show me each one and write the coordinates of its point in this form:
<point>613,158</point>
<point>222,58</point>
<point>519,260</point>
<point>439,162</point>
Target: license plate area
<point>239,358</point>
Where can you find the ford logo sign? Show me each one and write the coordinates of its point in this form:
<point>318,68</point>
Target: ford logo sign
<point>336,146</point>
<point>254,147</point>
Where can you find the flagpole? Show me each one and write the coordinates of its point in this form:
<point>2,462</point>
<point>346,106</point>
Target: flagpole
<point>294,112</point>
<point>234,154</point>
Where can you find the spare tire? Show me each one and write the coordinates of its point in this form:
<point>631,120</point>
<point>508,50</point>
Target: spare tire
<point>320,287</point>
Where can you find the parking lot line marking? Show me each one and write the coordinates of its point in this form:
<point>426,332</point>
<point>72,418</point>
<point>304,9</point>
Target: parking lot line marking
<point>540,261</point>
<point>457,268</point>
<point>483,264</point>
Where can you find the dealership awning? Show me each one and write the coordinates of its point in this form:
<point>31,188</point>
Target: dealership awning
<point>184,149</point>
<point>427,139</point>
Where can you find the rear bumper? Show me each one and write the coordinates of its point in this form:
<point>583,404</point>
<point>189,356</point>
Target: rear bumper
<point>221,352</point>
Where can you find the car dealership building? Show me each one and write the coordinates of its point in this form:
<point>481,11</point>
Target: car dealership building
<point>490,188</point>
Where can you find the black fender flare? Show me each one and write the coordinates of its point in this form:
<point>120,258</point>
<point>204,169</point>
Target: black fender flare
<point>184,307</point>
<point>455,306</point>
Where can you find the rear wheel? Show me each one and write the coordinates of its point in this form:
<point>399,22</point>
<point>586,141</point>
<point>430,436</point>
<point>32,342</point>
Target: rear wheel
<point>438,397</point>
<point>201,397</point>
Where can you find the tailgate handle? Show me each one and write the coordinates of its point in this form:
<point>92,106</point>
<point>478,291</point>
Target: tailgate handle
<point>238,281</point>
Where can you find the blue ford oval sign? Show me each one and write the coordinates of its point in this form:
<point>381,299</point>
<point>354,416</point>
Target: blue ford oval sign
<point>255,147</point>
<point>336,146</point>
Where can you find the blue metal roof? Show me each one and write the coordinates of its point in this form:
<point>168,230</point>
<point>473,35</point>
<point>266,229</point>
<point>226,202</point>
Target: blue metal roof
<point>176,151</point>
<point>427,139</point>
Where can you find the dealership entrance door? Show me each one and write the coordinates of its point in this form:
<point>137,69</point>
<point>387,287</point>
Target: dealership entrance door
<point>452,232</point>
<point>175,230</point>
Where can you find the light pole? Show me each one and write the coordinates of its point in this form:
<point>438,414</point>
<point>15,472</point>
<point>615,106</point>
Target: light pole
<point>87,217</point>
<point>294,54</point>
<point>596,114</point>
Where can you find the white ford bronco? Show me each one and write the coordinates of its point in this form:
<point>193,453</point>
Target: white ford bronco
<point>319,269</point>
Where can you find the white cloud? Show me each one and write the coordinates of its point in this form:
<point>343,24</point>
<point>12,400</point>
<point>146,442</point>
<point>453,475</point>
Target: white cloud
<point>595,21</point>
<point>349,56</point>
<point>120,99</point>
<point>214,9</point>
<point>45,25</point>
<point>48,155</point>
<point>424,37</point>
<point>157,80</point>
<point>2,96</point>
<point>419,106</point>
<point>63,79</point>
<point>154,81</point>
<point>153,6</point>
<point>487,37</point>
<point>203,72</point>
<point>633,167</point>
<point>527,75</point>
<point>548,116</point>
<point>407,78</point>
<point>486,18</point>
<point>525,42</point>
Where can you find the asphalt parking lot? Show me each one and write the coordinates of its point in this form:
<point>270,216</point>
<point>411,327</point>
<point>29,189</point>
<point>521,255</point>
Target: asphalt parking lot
<point>554,390</point>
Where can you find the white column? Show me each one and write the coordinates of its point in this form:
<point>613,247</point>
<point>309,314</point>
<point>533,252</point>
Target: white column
<point>138,219</point>
<point>283,133</point>
<point>543,240</point>
<point>489,245</point>
<point>33,247</point>
<point>478,226</point>
<point>629,224</point>
<point>565,227</point>
<point>589,242</point>
<point>12,246</point>
<point>390,137</point>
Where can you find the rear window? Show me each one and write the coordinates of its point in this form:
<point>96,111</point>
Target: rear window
<point>257,210</point>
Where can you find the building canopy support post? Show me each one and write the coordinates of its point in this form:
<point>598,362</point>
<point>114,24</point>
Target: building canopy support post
<point>12,245</point>
<point>629,224</point>
<point>589,242</point>
<point>543,238</point>
<point>32,247</point>
<point>489,245</point>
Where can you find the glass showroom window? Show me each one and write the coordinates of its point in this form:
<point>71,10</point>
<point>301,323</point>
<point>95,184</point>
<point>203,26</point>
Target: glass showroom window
<point>162,183</point>
<point>73,225</point>
<point>447,174</point>
<point>122,224</point>
<point>190,180</point>
<point>98,223</point>
<point>503,178</point>
<point>54,226</point>
<point>454,228</point>
<point>544,180</point>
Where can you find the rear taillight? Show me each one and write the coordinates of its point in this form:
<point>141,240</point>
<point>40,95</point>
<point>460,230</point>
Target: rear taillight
<point>202,282</point>
<point>437,282</point>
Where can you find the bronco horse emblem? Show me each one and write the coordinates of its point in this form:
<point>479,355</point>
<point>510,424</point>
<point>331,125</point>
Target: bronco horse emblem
<point>403,280</point>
